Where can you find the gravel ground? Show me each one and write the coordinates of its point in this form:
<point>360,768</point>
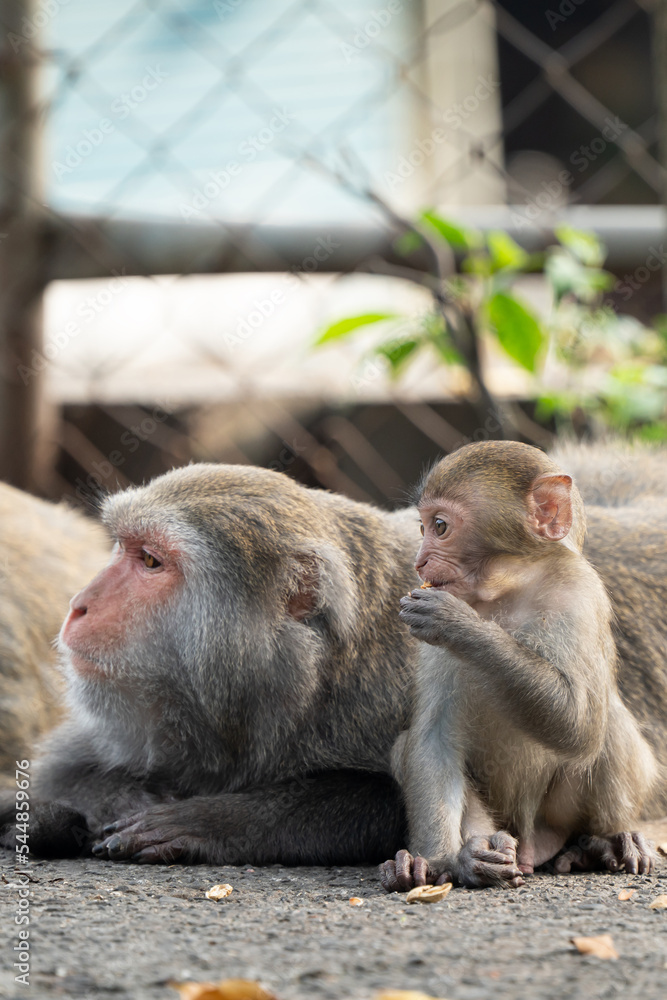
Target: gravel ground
<point>102,929</point>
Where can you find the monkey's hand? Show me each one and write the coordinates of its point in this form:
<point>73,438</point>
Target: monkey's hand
<point>631,851</point>
<point>404,872</point>
<point>489,861</point>
<point>160,834</point>
<point>439,618</point>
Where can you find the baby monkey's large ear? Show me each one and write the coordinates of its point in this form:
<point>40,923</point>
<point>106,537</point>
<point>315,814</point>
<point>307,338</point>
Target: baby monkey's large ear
<point>550,505</point>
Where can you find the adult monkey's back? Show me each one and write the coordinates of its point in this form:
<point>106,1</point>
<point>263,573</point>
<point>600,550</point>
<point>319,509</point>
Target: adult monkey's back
<point>625,492</point>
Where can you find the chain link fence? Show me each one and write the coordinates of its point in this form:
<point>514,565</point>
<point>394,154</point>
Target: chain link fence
<point>291,141</point>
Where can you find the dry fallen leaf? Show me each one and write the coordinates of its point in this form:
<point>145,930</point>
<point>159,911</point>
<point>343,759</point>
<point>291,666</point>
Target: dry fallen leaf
<point>659,903</point>
<point>626,894</point>
<point>219,892</point>
<point>662,849</point>
<point>428,893</point>
<point>599,947</point>
<point>228,989</point>
<point>355,901</point>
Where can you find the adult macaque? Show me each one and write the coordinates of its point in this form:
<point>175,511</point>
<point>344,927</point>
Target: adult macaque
<point>236,679</point>
<point>519,739</point>
<point>47,552</point>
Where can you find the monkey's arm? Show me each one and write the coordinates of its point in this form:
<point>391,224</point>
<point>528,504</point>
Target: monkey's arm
<point>71,795</point>
<point>557,700</point>
<point>334,818</point>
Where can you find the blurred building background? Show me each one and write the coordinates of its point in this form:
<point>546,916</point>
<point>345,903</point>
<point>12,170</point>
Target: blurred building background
<point>191,189</point>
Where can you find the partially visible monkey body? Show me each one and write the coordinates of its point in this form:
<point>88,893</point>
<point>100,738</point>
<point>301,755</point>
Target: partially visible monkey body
<point>47,553</point>
<point>625,492</point>
<point>519,738</point>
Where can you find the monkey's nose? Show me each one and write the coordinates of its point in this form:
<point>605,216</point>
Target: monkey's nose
<point>79,612</point>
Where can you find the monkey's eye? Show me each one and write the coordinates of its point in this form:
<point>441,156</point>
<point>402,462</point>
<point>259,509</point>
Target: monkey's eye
<point>150,562</point>
<point>440,526</point>
<point>421,528</point>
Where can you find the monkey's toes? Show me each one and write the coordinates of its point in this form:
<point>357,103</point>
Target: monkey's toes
<point>404,872</point>
<point>490,862</point>
<point>634,852</point>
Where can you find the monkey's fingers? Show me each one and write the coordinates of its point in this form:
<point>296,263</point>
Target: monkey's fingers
<point>404,874</point>
<point>388,876</point>
<point>503,876</point>
<point>159,854</point>
<point>120,824</point>
<point>421,874</point>
<point>496,857</point>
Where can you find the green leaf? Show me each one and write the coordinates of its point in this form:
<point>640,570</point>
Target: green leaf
<point>341,328</point>
<point>456,236</point>
<point>397,352</point>
<point>584,245</point>
<point>517,328</point>
<point>505,252</point>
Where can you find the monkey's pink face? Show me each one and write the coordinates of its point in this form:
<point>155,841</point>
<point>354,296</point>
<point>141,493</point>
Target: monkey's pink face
<point>116,605</point>
<point>447,558</point>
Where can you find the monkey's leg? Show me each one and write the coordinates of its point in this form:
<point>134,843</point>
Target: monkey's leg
<point>338,818</point>
<point>631,851</point>
<point>488,856</point>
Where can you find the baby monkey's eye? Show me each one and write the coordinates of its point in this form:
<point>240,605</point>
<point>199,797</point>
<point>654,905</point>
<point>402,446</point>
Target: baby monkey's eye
<point>440,526</point>
<point>150,562</point>
<point>421,528</point>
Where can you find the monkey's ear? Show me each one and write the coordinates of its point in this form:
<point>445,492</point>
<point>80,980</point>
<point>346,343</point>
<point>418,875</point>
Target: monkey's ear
<point>323,584</point>
<point>550,502</point>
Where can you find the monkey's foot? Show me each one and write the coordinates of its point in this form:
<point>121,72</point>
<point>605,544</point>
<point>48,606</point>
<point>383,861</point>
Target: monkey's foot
<point>631,851</point>
<point>147,838</point>
<point>405,872</point>
<point>489,861</point>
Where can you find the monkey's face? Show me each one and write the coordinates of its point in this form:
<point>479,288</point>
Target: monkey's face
<point>450,557</point>
<point>117,610</point>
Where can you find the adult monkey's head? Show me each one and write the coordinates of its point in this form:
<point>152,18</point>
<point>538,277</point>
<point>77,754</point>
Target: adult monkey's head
<point>490,507</point>
<point>221,578</point>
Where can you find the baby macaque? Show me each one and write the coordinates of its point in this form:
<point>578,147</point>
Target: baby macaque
<point>519,744</point>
